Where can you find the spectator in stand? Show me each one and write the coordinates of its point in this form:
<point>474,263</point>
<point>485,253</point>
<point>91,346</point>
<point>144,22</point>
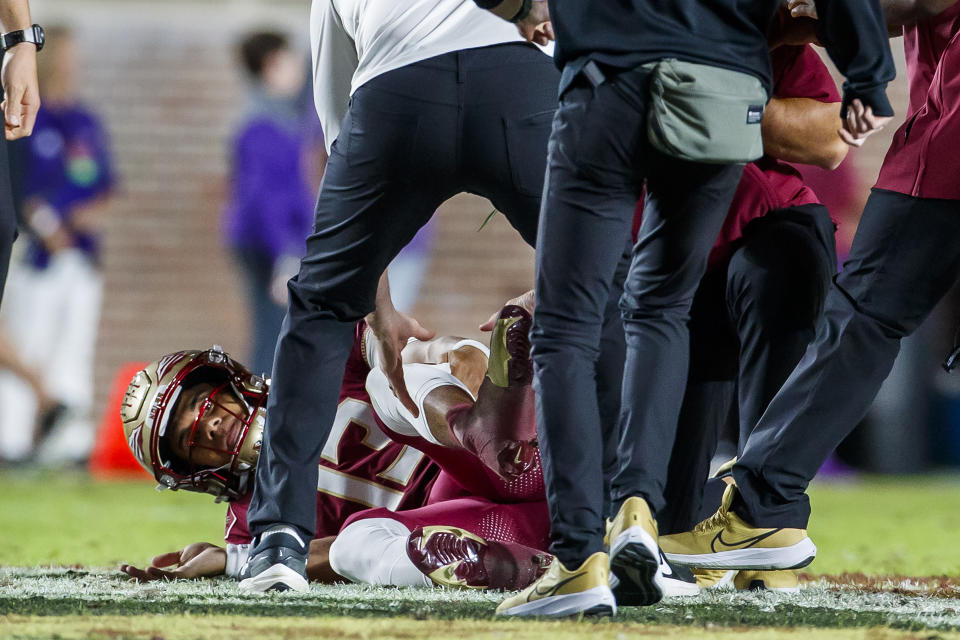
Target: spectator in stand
<point>55,288</point>
<point>270,212</point>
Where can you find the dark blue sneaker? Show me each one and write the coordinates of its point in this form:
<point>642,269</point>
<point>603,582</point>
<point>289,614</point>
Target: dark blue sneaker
<point>277,562</point>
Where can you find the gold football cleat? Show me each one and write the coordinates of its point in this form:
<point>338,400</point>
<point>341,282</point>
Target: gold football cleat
<point>725,541</point>
<point>562,592</point>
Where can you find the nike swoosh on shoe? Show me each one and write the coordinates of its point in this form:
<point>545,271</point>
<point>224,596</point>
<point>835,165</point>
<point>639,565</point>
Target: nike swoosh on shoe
<point>549,592</point>
<point>746,543</point>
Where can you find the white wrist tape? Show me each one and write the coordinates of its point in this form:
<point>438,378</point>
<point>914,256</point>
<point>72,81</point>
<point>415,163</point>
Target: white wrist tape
<point>237,555</point>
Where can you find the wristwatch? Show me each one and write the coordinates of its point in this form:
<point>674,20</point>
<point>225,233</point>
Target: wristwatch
<point>12,38</point>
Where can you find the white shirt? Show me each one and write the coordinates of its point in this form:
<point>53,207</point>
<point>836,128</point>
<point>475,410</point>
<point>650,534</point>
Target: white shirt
<point>353,41</point>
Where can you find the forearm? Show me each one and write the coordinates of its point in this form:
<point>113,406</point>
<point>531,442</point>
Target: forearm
<point>318,563</point>
<point>383,300</point>
<point>903,12</point>
<point>804,130</point>
<point>14,14</point>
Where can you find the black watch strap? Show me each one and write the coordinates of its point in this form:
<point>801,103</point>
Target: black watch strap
<point>34,35</point>
<point>523,12</point>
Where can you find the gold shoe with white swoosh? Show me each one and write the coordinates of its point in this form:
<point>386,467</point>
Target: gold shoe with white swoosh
<point>726,541</point>
<point>563,592</point>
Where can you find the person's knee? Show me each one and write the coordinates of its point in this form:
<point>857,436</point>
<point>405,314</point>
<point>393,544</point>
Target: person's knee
<point>642,309</point>
<point>779,287</point>
<point>872,310</point>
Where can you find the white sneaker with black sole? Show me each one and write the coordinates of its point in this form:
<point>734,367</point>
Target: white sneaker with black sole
<point>277,562</point>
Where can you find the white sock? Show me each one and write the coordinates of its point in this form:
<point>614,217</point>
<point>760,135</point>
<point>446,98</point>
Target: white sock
<point>374,551</point>
<point>421,379</point>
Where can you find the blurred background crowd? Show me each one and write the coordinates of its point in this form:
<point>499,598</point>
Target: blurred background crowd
<point>166,193</point>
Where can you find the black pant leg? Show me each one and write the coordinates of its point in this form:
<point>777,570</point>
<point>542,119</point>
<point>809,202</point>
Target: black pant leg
<point>685,208</point>
<point>8,214</point>
<point>613,355</point>
<point>777,282</point>
<point>905,256</point>
<point>708,404</point>
<point>589,198</point>
<point>387,174</point>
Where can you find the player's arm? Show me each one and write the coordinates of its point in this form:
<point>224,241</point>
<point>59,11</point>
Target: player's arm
<point>803,130</point>
<point>318,563</point>
<point>467,358</point>
<point>197,560</point>
<point>19,73</point>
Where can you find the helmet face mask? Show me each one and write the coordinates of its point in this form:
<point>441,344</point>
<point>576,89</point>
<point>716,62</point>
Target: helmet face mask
<point>221,458</point>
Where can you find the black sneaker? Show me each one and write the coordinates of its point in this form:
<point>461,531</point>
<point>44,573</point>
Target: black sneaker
<point>277,562</point>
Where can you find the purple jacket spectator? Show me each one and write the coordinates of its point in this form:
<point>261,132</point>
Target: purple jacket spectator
<point>67,165</point>
<point>271,203</point>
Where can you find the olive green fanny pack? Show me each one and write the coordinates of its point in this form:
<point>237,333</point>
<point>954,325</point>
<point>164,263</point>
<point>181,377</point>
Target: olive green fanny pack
<point>705,114</point>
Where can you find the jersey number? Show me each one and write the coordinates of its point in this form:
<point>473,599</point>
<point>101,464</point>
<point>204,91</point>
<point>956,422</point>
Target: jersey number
<point>363,489</point>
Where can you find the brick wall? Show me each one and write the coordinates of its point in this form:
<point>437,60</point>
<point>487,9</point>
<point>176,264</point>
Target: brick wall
<point>163,78</point>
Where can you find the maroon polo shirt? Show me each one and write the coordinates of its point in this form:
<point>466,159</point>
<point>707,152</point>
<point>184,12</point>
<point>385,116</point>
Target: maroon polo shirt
<point>923,160</point>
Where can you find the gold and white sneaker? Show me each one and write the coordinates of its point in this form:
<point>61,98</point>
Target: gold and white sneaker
<point>726,541</point>
<point>634,555</point>
<point>562,592</point>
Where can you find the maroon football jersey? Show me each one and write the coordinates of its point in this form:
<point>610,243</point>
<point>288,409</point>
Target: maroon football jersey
<point>360,466</point>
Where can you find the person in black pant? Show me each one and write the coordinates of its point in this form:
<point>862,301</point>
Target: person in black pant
<point>473,119</point>
<point>599,156</point>
<point>904,259</point>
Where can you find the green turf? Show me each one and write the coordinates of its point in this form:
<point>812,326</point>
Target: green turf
<point>221,627</point>
<point>873,525</point>
<point>887,525</point>
<point>68,519</point>
<point>61,592</point>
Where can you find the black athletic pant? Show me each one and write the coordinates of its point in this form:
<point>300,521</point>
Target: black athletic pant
<point>905,257</point>
<point>475,120</point>
<point>750,323</point>
<point>599,156</point>
<point>8,214</point>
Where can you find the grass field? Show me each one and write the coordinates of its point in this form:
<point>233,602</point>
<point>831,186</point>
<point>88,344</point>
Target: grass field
<point>886,549</point>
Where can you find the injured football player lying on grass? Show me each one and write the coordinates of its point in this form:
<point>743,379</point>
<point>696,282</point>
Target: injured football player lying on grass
<point>400,500</point>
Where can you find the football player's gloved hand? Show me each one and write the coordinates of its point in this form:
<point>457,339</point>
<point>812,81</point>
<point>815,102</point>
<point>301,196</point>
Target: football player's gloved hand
<point>197,560</point>
<point>525,300</point>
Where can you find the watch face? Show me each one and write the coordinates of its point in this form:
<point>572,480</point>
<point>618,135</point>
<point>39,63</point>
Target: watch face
<point>39,37</point>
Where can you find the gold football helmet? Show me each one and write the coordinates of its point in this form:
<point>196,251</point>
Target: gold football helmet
<point>150,404</point>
